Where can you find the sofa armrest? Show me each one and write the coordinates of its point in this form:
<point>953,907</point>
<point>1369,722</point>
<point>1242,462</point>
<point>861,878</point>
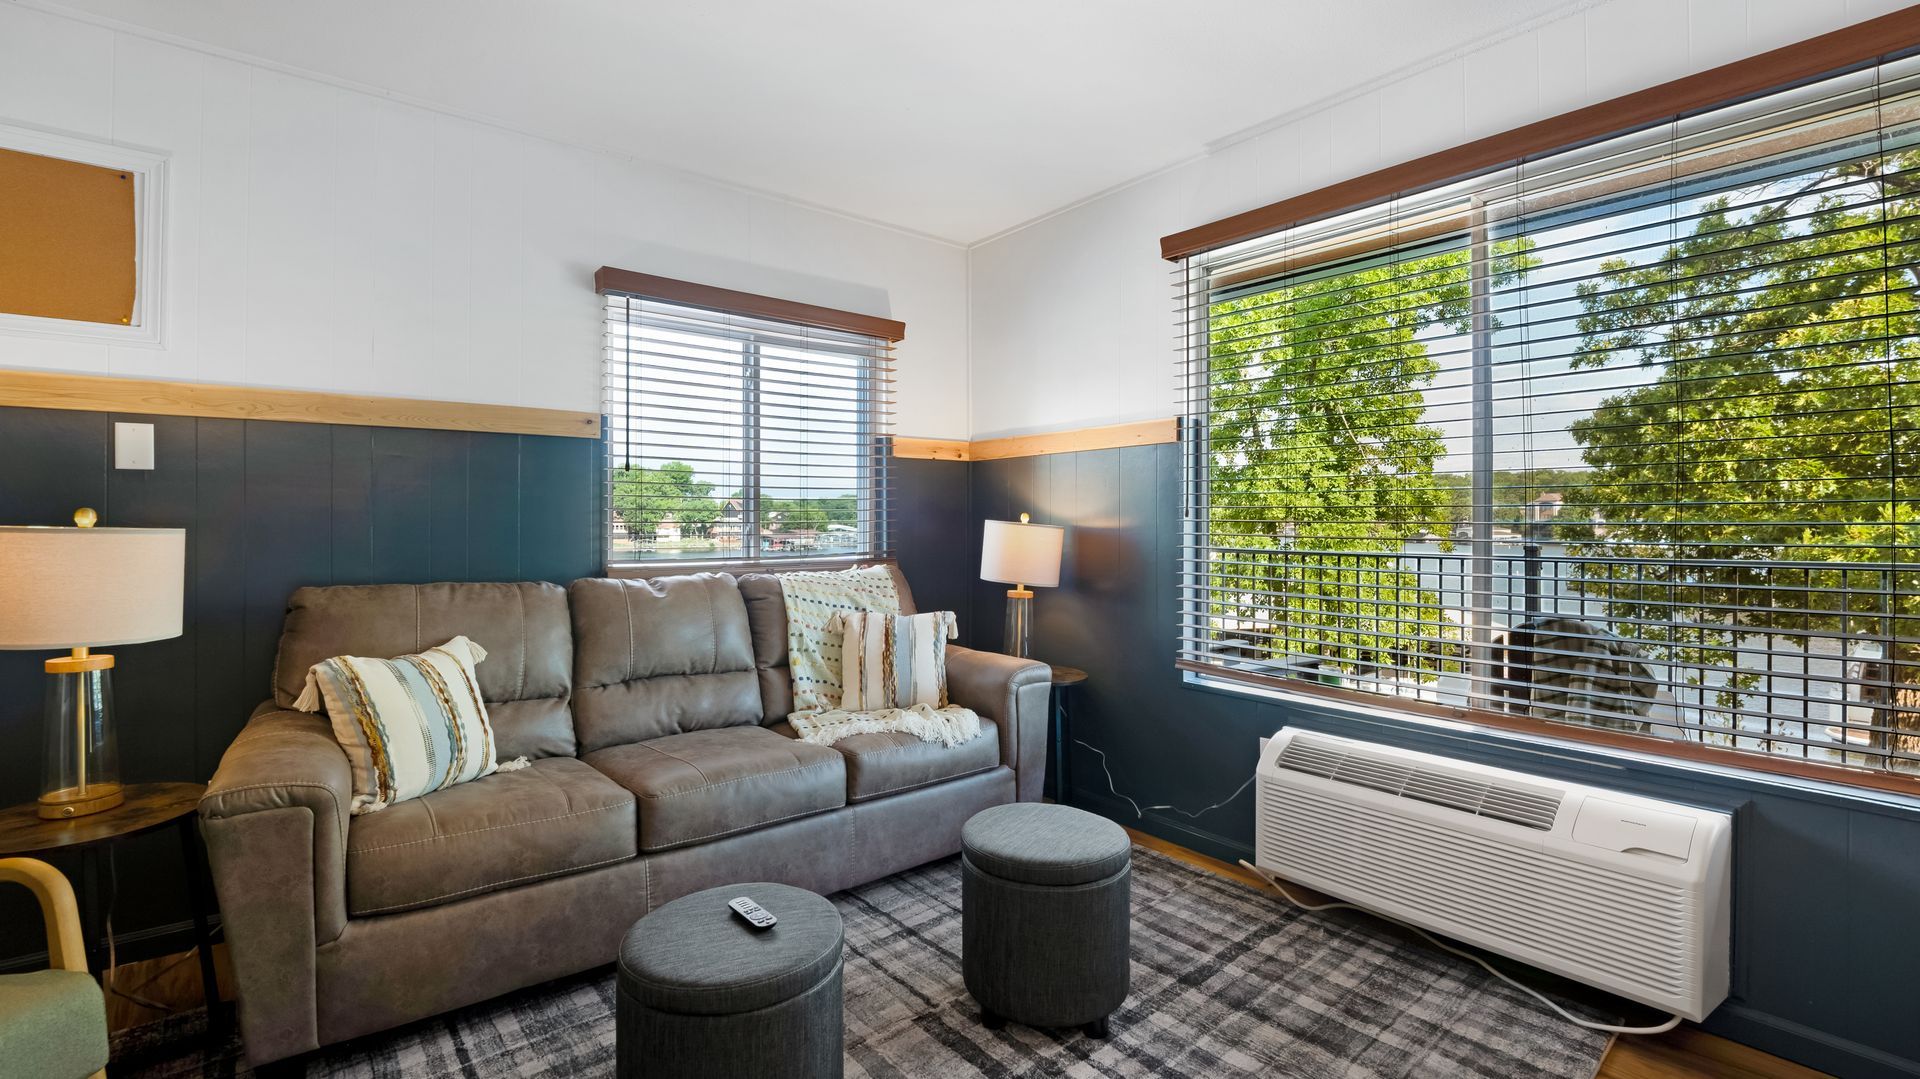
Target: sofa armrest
<point>275,820</point>
<point>1014,693</point>
<point>285,760</point>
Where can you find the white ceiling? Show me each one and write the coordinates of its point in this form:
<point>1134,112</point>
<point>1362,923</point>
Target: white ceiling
<point>957,120</point>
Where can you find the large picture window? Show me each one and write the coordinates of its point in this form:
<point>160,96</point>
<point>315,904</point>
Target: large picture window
<point>1625,438</point>
<point>735,435</point>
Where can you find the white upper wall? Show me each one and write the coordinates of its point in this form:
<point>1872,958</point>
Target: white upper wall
<point>1072,317</point>
<point>326,239</point>
<point>957,121</point>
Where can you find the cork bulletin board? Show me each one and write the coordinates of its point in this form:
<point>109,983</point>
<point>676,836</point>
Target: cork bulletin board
<point>67,239</point>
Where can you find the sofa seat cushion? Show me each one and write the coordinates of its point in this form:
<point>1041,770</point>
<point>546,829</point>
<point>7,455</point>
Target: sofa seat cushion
<point>893,763</point>
<point>705,784</point>
<point>557,816</point>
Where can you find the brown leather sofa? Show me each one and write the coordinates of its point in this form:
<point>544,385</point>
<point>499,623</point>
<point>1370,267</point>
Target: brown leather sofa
<point>654,714</point>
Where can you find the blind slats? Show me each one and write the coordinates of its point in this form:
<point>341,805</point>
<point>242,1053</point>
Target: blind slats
<point>738,438</point>
<point>1627,438</point>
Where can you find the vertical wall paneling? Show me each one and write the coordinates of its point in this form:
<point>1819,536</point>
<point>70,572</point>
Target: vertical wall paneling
<point>558,530</point>
<point>351,503</point>
<point>287,492</point>
<point>493,536</point>
<point>403,505</point>
<point>216,556</point>
<point>936,537</point>
<point>267,507</point>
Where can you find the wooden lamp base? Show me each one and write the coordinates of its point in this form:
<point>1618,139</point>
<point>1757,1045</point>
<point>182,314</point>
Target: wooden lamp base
<point>77,802</point>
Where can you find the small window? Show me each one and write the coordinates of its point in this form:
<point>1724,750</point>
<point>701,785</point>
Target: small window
<point>80,250</point>
<point>734,435</point>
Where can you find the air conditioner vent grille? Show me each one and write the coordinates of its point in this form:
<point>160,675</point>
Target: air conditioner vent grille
<point>1499,799</point>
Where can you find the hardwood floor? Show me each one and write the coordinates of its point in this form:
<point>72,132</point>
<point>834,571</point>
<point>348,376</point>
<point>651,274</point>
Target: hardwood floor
<point>1692,1051</point>
<point>168,984</point>
<point>1684,1052</point>
<point>174,983</point>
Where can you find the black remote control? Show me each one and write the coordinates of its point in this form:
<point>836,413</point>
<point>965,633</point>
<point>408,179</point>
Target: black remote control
<point>752,913</point>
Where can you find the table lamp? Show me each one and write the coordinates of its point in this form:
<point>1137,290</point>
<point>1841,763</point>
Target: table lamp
<point>1021,554</point>
<point>80,589</point>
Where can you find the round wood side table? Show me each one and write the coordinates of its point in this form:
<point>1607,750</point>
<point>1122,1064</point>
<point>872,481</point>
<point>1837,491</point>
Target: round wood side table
<point>149,807</point>
<point>1064,680</point>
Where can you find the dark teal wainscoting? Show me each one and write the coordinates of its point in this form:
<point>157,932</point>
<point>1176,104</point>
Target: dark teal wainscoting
<point>936,536</point>
<point>268,507</point>
<point>1826,881</point>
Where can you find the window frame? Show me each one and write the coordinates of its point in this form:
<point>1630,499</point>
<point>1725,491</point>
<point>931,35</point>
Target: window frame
<point>871,430</point>
<point>1196,289</point>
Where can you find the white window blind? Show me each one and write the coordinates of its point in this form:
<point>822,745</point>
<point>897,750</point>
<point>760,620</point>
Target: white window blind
<point>1626,437</point>
<point>736,438</point>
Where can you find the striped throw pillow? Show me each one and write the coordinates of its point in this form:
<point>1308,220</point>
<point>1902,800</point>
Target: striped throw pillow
<point>410,725</point>
<point>894,660</point>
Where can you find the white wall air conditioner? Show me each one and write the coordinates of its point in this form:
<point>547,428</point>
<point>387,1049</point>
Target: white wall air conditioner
<point>1621,892</point>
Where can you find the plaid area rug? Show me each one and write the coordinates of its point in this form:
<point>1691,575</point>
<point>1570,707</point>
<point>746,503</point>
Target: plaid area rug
<point>1226,981</point>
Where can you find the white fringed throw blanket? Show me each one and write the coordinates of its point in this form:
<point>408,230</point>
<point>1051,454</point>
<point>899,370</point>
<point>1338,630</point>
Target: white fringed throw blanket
<point>824,610</point>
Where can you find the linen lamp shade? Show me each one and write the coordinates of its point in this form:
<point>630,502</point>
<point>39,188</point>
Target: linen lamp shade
<point>1018,553</point>
<point>90,587</point>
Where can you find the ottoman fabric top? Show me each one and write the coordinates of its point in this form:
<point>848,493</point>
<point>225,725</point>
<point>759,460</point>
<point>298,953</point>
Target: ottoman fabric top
<point>1037,843</point>
<point>694,957</point>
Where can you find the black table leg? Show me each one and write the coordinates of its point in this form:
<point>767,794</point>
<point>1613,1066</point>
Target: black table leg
<point>1061,746</point>
<point>196,866</point>
<point>92,917</point>
<point>1066,742</point>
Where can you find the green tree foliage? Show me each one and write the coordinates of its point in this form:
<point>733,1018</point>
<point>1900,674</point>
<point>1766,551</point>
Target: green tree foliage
<point>1318,445</point>
<point>811,514</point>
<point>1512,490</point>
<point>1774,452</point>
<point>797,515</point>
<point>644,497</point>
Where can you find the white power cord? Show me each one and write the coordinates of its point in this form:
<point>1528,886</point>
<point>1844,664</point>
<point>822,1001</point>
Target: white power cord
<point>1662,1028</point>
<point>1139,810</point>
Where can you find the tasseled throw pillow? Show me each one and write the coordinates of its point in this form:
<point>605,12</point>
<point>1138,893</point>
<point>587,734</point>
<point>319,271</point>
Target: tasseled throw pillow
<point>410,725</point>
<point>894,660</point>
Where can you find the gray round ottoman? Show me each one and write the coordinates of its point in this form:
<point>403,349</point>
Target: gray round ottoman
<point>702,994</point>
<point>1045,915</point>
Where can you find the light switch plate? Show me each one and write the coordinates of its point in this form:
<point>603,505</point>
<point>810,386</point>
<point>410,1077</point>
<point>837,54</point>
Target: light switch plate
<point>133,445</point>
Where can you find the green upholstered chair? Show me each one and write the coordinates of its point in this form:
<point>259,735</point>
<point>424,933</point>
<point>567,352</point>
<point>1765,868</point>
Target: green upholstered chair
<point>53,1022</point>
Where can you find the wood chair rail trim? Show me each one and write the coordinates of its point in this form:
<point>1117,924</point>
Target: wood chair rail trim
<point>101,393</point>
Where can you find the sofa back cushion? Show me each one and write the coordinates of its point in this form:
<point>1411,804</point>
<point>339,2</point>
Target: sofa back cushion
<point>767,615</point>
<point>659,657</point>
<point>526,679</point>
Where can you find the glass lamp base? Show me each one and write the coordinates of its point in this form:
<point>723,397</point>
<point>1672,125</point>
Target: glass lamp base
<point>82,772</point>
<point>1017,638</point>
